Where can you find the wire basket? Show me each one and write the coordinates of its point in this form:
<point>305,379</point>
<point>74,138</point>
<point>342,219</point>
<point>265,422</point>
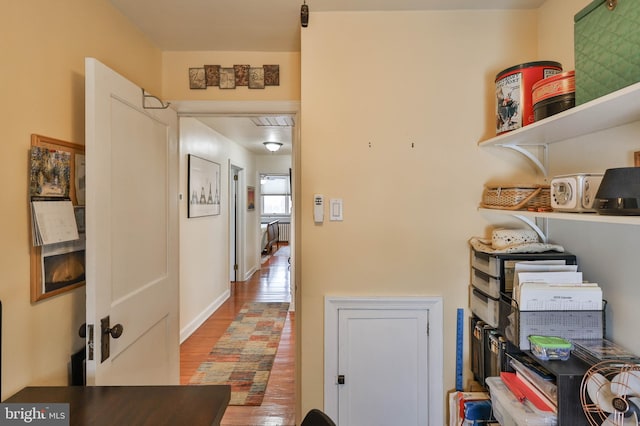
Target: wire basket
<point>533,197</point>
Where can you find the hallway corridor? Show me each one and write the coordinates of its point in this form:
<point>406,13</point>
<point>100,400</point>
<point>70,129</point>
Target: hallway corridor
<point>269,284</point>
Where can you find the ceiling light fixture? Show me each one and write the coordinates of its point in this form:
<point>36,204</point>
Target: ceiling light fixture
<point>272,146</point>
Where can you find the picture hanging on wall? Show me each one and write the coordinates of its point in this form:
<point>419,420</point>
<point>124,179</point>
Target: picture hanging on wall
<point>227,78</point>
<point>256,78</point>
<point>204,187</point>
<point>242,74</point>
<point>50,172</point>
<point>251,198</point>
<point>271,75</point>
<point>197,79</point>
<point>212,75</point>
<point>231,77</point>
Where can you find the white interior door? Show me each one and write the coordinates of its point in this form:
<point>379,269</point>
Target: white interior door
<point>132,232</point>
<point>382,362</point>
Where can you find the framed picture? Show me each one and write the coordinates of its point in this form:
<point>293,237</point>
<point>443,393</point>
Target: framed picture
<point>251,198</point>
<point>50,172</point>
<point>212,75</point>
<point>227,78</point>
<point>197,79</point>
<point>242,74</point>
<point>256,78</point>
<point>204,187</point>
<point>271,75</point>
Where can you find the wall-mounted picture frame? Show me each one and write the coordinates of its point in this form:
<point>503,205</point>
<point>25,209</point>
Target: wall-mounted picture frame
<point>60,267</point>
<point>212,75</point>
<point>227,78</point>
<point>197,78</point>
<point>271,75</point>
<point>242,74</point>
<point>204,187</point>
<point>256,78</point>
<point>251,198</point>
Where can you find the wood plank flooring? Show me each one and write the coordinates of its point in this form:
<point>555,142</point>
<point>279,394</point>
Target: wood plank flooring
<point>270,284</point>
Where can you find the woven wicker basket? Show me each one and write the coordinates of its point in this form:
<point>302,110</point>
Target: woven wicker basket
<point>521,197</point>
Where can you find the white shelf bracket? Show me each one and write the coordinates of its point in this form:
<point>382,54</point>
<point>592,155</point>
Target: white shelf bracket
<point>531,222</point>
<point>541,165</point>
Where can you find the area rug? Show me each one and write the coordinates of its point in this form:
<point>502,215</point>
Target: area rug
<point>244,354</point>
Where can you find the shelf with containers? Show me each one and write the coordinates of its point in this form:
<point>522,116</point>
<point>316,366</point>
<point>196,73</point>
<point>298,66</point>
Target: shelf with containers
<point>615,109</point>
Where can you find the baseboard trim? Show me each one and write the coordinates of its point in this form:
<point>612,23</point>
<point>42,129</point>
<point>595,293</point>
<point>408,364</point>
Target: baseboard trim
<point>190,328</point>
<point>250,273</point>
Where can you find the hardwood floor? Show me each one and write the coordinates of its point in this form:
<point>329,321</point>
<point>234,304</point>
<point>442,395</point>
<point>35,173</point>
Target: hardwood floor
<point>270,284</point>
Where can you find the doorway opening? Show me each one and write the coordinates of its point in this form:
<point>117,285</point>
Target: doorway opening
<point>273,280</point>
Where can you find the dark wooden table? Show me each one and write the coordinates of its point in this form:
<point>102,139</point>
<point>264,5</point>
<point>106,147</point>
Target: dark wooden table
<point>134,405</point>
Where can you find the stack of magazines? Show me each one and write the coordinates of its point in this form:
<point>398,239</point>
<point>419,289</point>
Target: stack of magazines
<point>593,351</point>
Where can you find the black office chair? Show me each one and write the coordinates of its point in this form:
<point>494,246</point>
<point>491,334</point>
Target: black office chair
<point>316,417</point>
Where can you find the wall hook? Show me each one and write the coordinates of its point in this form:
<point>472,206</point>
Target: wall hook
<point>144,101</point>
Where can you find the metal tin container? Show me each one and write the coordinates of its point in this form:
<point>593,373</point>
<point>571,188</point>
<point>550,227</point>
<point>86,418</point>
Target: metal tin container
<point>553,95</point>
<point>514,108</point>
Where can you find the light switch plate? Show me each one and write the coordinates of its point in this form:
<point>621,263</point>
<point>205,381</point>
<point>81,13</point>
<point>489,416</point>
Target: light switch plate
<point>335,209</point>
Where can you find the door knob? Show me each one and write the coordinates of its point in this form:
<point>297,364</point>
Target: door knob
<point>107,330</point>
<point>115,331</point>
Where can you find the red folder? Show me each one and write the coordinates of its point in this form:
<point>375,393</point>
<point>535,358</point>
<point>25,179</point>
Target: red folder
<point>522,391</point>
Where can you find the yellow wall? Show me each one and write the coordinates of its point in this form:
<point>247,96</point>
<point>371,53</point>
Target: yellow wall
<point>374,84</point>
<point>394,105</point>
<point>176,72</point>
<point>43,47</point>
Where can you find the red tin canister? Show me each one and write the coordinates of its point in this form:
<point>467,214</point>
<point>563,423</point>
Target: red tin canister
<point>553,95</point>
<point>514,108</point>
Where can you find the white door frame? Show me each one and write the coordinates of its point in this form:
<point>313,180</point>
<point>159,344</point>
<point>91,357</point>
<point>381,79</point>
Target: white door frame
<point>237,223</point>
<point>435,348</point>
<point>207,108</point>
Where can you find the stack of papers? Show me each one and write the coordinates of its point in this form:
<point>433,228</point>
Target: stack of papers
<point>53,222</point>
<point>554,287</point>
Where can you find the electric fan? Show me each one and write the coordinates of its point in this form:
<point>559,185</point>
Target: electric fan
<point>610,393</point>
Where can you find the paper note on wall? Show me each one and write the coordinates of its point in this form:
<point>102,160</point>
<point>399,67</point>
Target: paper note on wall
<point>53,222</point>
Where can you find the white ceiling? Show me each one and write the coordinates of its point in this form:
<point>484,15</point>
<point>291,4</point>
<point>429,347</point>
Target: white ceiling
<point>244,132</point>
<point>259,25</point>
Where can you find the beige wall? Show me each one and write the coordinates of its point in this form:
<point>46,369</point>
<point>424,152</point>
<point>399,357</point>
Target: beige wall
<point>175,81</point>
<point>204,241</point>
<point>394,105</point>
<point>43,48</point>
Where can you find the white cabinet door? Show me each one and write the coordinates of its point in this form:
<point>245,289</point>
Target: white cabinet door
<point>132,233</point>
<point>382,359</point>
